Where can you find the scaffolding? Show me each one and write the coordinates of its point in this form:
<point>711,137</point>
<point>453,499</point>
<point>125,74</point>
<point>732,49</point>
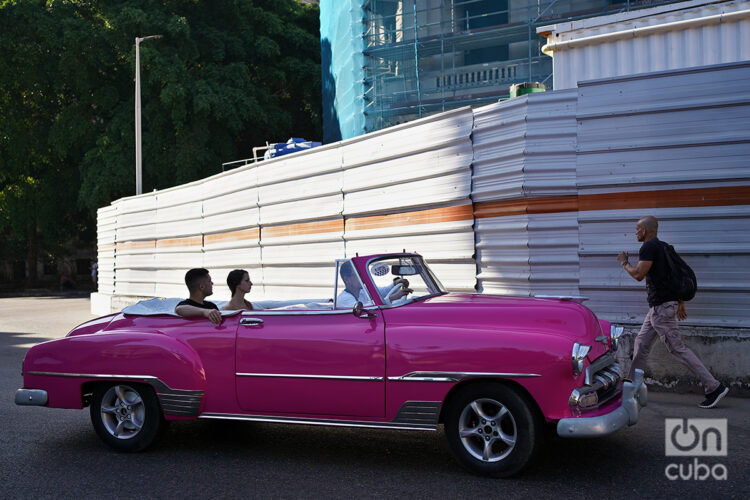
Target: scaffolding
<point>426,56</point>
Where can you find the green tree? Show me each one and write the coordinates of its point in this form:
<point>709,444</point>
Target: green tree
<point>44,89</point>
<point>228,75</point>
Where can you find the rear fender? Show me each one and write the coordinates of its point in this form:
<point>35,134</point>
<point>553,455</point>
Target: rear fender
<point>62,367</point>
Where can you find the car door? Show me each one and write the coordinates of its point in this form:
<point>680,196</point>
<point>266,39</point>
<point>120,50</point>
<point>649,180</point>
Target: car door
<point>311,363</point>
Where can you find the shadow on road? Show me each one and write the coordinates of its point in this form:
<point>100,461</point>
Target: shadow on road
<point>20,340</point>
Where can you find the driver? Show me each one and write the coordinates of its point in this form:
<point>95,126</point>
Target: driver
<point>353,291</point>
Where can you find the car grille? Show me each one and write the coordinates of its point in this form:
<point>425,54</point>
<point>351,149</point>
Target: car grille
<point>603,376</point>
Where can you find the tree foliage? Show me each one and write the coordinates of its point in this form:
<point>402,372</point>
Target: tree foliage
<point>226,76</point>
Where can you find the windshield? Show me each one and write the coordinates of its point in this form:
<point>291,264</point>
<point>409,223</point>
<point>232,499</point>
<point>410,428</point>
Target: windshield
<point>390,272</point>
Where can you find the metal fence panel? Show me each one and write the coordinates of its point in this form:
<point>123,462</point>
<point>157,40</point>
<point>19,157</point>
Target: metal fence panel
<point>524,189</point>
<point>408,188</point>
<point>683,35</point>
<point>498,143</point>
<point>675,146</point>
<point>106,224</point>
<point>284,219</point>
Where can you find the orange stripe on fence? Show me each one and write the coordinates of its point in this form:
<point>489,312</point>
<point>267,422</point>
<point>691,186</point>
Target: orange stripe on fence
<point>429,216</point>
<point>326,226</point>
<point>190,241</point>
<point>667,198</point>
<point>244,234</point>
<point>550,204</point>
<point>135,245</point>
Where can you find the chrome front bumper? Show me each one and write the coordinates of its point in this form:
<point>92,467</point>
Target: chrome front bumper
<point>31,397</point>
<point>634,397</point>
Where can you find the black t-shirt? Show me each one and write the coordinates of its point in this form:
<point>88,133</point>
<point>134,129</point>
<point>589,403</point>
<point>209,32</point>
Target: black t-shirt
<point>656,279</point>
<point>206,304</point>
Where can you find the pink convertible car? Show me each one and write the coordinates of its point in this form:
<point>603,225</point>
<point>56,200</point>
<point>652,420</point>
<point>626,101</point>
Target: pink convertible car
<point>495,371</point>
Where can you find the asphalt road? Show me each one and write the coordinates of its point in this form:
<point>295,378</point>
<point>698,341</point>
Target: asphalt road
<point>54,453</point>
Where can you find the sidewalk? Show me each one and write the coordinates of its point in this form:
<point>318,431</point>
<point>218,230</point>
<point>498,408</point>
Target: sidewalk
<point>46,292</point>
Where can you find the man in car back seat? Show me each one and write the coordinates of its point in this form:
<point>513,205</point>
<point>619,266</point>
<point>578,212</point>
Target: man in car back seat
<point>200,286</point>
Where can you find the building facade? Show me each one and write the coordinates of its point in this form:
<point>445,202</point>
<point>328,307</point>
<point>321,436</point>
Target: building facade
<point>386,62</point>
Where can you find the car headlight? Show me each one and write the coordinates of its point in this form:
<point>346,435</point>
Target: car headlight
<point>583,399</point>
<point>580,351</point>
<point>615,332</point>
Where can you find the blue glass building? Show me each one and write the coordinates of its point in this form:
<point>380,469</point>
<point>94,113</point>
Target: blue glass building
<point>386,62</point>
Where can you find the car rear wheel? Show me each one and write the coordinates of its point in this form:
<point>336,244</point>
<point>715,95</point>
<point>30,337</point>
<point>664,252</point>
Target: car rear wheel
<point>126,416</point>
<point>492,430</point>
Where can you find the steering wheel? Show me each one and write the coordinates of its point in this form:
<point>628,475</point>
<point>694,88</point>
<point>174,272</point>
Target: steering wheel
<point>394,289</point>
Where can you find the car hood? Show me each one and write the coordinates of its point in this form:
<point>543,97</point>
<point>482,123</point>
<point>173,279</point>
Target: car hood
<point>559,317</point>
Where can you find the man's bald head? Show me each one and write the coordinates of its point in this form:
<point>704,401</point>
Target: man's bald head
<point>646,228</point>
<point>650,224</point>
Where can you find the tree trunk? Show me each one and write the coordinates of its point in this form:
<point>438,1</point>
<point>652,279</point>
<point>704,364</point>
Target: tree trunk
<point>31,258</point>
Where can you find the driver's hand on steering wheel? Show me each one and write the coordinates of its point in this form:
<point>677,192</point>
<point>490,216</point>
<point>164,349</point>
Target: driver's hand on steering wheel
<point>405,290</point>
<point>404,282</point>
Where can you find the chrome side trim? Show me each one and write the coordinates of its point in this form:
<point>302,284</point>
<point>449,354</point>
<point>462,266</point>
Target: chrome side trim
<point>177,402</point>
<point>455,376</point>
<point>326,422</point>
<point>322,377</point>
<point>298,312</point>
<point>105,376</point>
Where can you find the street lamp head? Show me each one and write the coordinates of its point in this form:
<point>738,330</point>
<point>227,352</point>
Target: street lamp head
<point>150,37</point>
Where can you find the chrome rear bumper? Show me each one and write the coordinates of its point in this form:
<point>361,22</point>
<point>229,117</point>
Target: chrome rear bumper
<point>634,397</point>
<point>31,397</point>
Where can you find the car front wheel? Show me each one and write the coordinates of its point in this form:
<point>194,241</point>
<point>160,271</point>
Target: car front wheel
<point>492,430</point>
<point>126,416</point>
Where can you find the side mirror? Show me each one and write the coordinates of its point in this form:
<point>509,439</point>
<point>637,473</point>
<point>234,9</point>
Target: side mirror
<point>359,311</point>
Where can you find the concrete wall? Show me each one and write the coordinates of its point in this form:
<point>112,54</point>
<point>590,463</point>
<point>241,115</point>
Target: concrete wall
<point>724,351</point>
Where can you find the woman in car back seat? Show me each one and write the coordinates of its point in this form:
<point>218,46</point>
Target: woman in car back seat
<point>239,284</point>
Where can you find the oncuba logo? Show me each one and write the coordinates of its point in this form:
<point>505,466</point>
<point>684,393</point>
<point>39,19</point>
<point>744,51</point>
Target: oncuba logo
<point>695,437</point>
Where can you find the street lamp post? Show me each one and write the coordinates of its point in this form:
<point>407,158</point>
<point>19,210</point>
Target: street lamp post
<point>138,166</point>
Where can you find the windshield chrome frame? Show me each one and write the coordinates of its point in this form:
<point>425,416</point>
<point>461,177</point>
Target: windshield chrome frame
<point>336,283</point>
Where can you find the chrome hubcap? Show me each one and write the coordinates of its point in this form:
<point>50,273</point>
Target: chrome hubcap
<point>122,411</point>
<point>487,430</point>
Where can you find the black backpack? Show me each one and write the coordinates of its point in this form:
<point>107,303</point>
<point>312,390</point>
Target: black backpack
<point>680,278</point>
